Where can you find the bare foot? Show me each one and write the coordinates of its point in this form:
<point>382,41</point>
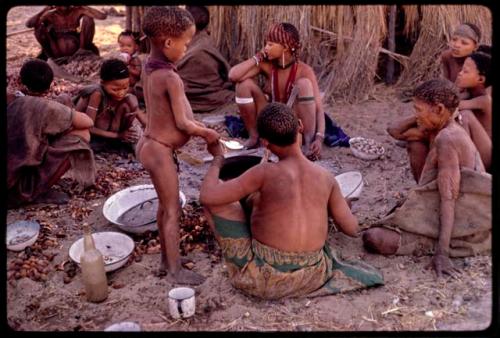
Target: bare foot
<point>185,276</point>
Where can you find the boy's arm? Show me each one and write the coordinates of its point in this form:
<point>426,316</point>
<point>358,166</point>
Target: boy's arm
<point>34,20</point>
<point>215,192</point>
<point>81,121</point>
<point>479,102</point>
<point>340,211</point>
<point>175,91</point>
<point>448,180</point>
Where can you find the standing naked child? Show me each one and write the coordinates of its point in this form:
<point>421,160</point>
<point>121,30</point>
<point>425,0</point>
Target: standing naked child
<point>278,61</point>
<point>170,125</point>
<point>111,107</point>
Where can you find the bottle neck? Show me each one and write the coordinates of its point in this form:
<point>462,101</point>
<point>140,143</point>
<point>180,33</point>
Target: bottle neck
<point>88,241</point>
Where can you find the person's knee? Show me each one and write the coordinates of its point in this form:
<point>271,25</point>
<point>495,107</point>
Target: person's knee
<point>245,87</point>
<point>87,22</point>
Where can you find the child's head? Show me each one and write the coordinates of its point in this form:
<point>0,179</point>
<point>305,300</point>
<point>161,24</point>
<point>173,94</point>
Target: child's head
<point>115,78</point>
<point>484,49</point>
<point>170,29</point>
<point>36,75</point>
<point>475,71</point>
<point>201,16</point>
<point>278,124</point>
<point>434,102</point>
<point>128,42</point>
<point>282,37</point>
<point>465,40</point>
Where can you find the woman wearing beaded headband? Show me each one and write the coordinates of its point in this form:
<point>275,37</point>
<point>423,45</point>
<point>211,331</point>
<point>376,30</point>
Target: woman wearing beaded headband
<point>286,77</point>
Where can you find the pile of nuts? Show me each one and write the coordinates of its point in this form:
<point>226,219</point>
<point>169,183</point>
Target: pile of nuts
<point>367,146</point>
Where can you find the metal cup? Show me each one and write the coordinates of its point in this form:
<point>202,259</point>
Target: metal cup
<point>181,302</point>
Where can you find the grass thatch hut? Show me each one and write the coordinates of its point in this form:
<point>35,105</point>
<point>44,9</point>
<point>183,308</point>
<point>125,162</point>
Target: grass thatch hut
<point>346,44</point>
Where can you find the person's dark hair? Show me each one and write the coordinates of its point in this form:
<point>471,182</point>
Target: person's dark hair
<point>166,21</point>
<point>278,124</point>
<point>114,69</point>
<point>475,29</point>
<point>484,49</point>
<point>201,16</point>
<point>36,75</point>
<point>438,91</point>
<point>483,65</point>
<point>134,35</point>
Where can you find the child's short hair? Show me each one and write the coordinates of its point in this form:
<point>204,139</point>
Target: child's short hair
<point>36,75</point>
<point>114,69</point>
<point>201,16</point>
<point>438,91</point>
<point>167,21</point>
<point>278,124</point>
<point>285,34</point>
<point>134,35</point>
<point>483,65</point>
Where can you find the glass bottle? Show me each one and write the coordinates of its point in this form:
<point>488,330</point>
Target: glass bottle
<point>93,273</point>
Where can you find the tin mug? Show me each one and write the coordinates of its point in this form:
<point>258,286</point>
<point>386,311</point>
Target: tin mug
<point>181,302</point>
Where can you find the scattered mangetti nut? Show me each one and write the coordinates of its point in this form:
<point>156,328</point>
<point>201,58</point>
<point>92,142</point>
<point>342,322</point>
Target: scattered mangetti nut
<point>368,146</point>
<point>117,285</point>
<point>188,265</point>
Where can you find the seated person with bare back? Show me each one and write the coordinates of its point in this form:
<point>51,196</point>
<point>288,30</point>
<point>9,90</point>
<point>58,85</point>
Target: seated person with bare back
<point>45,139</point>
<point>279,62</point>
<point>112,108</point>
<point>449,213</point>
<point>281,250</point>
<point>170,125</point>
<point>60,33</point>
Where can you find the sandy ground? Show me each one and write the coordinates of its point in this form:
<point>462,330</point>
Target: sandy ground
<point>410,300</point>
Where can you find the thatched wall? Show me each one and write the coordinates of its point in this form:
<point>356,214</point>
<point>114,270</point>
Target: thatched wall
<point>344,43</point>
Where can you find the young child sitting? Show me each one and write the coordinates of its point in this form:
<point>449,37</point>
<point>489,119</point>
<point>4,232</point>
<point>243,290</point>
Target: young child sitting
<point>112,108</point>
<point>464,42</point>
<point>170,125</point>
<point>279,62</point>
<point>45,139</point>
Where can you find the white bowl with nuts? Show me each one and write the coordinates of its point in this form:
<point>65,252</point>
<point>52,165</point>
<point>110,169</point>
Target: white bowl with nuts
<point>366,148</point>
<point>22,234</point>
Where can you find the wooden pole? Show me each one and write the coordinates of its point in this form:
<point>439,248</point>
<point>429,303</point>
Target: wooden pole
<point>391,44</point>
<point>20,32</point>
<point>128,22</point>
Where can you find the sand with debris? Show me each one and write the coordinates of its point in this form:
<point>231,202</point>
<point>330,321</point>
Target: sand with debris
<point>410,300</point>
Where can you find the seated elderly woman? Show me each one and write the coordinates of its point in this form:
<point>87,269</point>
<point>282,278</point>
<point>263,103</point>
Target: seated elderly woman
<point>282,251</point>
<point>449,213</point>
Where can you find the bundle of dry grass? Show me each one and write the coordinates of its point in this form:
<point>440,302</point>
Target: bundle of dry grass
<point>343,43</point>
<point>434,25</point>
